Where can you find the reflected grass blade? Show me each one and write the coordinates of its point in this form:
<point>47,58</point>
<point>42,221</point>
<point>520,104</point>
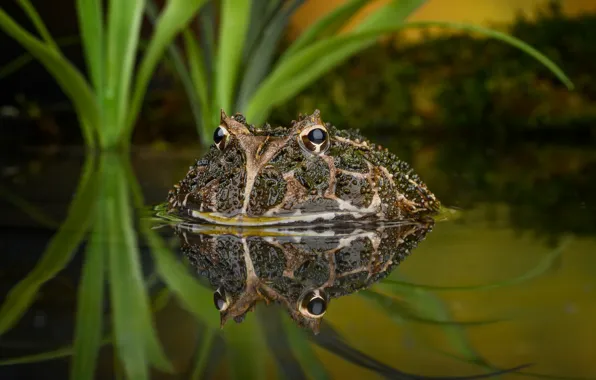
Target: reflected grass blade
<point>58,253</point>
<point>235,15</point>
<point>38,23</point>
<point>246,349</point>
<point>429,306</point>
<point>304,67</point>
<point>71,81</point>
<point>175,17</point>
<point>279,344</point>
<point>136,338</point>
<point>203,354</point>
<point>325,26</point>
<point>29,209</point>
<point>393,308</point>
<point>547,262</point>
<point>303,350</point>
<point>89,315</point>
<point>196,298</point>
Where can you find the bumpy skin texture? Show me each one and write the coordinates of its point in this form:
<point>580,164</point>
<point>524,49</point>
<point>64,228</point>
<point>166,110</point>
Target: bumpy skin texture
<point>254,268</point>
<point>267,176</point>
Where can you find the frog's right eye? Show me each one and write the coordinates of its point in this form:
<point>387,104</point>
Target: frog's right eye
<point>220,299</point>
<point>220,137</point>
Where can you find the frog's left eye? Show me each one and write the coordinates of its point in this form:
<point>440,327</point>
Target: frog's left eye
<point>315,139</point>
<point>313,304</point>
<point>220,137</point>
<point>221,299</point>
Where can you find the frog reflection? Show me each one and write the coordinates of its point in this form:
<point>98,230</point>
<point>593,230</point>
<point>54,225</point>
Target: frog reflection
<point>300,269</point>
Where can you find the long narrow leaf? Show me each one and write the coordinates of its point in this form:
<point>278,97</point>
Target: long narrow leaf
<point>88,329</point>
<point>260,15</point>
<point>200,83</point>
<point>246,349</point>
<point>235,15</point>
<point>390,14</point>
<point>185,78</point>
<point>303,350</point>
<point>203,353</point>
<point>294,74</point>
<point>173,19</point>
<point>58,253</point>
<point>259,63</point>
<point>38,23</point>
<point>136,338</point>
<point>196,298</point>
<point>541,268</point>
<point>325,26</point>
<point>90,14</point>
<point>68,77</point>
<point>123,29</point>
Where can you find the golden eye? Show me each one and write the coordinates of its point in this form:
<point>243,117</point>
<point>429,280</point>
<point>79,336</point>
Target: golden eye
<point>313,304</point>
<point>315,139</point>
<point>220,137</point>
<point>220,299</point>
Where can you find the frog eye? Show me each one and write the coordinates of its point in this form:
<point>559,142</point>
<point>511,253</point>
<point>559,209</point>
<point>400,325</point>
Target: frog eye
<point>220,137</point>
<point>315,139</point>
<point>221,299</point>
<point>313,304</point>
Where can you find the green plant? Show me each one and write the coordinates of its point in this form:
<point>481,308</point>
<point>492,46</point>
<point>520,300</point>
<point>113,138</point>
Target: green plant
<point>108,103</point>
<point>264,83</point>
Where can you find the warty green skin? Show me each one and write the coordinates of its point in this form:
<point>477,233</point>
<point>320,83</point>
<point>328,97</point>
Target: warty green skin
<point>283,266</point>
<point>266,176</point>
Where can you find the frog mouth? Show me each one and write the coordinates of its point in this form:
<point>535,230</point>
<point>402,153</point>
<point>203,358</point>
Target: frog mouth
<point>295,218</point>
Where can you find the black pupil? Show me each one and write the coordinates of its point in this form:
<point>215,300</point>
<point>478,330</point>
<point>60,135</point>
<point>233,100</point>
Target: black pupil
<point>316,306</point>
<point>317,136</point>
<point>218,135</point>
<point>219,301</point>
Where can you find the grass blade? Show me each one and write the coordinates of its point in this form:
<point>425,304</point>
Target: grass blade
<point>542,267</point>
<point>393,308</point>
<point>203,354</point>
<point>259,62</point>
<point>279,344</point>
<point>180,67</point>
<point>90,14</point>
<point>29,209</point>
<point>246,349</point>
<point>175,17</point>
<point>294,74</point>
<point>136,338</point>
<point>57,254</point>
<point>68,77</point>
<point>235,15</point>
<point>38,23</point>
<point>260,14</point>
<point>394,12</point>
<point>89,316</point>
<point>303,350</point>
<point>196,298</point>
<point>123,29</point>
<point>200,84</point>
<point>325,26</point>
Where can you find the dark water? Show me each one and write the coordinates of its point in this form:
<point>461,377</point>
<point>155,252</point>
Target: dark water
<point>509,280</point>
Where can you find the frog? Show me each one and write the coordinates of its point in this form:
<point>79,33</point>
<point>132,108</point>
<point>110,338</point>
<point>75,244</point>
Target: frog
<point>300,268</point>
<point>309,172</point>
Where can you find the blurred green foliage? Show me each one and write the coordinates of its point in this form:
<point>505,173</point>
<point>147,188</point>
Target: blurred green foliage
<point>459,82</point>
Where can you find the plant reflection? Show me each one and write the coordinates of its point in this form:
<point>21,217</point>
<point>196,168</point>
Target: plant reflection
<point>106,219</point>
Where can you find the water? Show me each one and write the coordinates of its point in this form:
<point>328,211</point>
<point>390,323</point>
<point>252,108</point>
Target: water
<point>508,281</point>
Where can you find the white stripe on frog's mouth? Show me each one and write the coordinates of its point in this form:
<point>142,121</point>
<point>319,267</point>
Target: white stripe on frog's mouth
<point>298,217</point>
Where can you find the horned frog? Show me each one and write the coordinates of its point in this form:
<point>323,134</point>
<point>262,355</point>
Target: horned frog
<point>307,173</point>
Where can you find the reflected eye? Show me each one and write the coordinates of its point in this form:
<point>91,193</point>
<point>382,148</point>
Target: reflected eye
<point>220,137</point>
<point>313,304</point>
<point>315,139</point>
<point>220,300</point>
